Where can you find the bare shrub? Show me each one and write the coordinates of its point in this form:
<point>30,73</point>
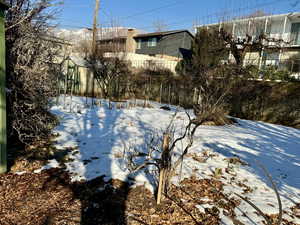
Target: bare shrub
<point>109,73</point>
<point>160,154</point>
<point>214,88</point>
<point>153,68</point>
<point>30,75</point>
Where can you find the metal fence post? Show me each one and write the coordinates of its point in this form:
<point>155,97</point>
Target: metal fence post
<point>3,132</point>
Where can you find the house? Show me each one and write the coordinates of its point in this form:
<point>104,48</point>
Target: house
<point>162,49</point>
<point>172,44</point>
<point>117,40</point>
<point>276,27</point>
<point>176,43</point>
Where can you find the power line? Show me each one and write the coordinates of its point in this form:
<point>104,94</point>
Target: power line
<point>232,13</point>
<point>153,10</point>
<point>147,11</point>
<point>219,13</point>
<point>141,13</point>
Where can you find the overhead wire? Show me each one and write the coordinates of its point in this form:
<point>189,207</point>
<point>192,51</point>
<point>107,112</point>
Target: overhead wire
<point>213,16</point>
<point>153,10</point>
<point>218,14</point>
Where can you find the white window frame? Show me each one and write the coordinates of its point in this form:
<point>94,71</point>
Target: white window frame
<point>295,36</point>
<point>139,44</point>
<point>152,42</point>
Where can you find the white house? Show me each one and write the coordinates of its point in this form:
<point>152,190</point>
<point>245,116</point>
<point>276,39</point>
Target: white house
<point>283,26</point>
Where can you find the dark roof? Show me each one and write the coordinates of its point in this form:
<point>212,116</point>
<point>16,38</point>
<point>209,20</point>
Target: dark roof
<point>4,5</point>
<point>163,33</point>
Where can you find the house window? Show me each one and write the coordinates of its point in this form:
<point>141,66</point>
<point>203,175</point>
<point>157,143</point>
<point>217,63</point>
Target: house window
<point>152,42</point>
<point>295,34</point>
<point>139,44</point>
<point>271,58</point>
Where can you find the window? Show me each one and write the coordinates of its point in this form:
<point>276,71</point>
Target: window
<point>295,34</point>
<point>152,42</point>
<point>139,44</point>
<point>271,58</point>
<point>240,29</point>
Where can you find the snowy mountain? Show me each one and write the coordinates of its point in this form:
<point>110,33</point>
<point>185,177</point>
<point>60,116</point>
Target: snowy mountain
<point>77,35</point>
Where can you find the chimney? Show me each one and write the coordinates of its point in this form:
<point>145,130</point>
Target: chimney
<point>130,42</point>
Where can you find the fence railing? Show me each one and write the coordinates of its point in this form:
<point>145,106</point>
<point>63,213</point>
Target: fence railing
<point>290,65</point>
<point>153,64</point>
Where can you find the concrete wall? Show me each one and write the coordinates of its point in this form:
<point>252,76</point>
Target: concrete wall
<point>143,61</point>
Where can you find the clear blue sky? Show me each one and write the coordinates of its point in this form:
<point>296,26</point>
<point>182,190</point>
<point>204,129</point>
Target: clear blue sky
<point>176,14</point>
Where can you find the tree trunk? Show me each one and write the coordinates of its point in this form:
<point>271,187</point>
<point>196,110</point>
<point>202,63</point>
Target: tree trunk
<point>165,161</point>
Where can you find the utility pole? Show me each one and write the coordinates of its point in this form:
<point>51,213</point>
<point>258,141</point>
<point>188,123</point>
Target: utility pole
<point>94,47</point>
<point>95,27</point>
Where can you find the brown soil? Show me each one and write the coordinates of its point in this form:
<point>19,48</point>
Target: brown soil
<point>37,199</point>
<point>50,198</point>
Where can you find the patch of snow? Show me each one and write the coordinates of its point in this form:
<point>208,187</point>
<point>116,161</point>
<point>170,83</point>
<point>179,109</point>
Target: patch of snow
<point>100,133</point>
<point>202,207</point>
<point>51,164</point>
<point>20,173</point>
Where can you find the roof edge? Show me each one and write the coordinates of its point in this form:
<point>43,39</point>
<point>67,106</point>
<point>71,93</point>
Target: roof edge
<point>163,33</point>
<point>236,20</point>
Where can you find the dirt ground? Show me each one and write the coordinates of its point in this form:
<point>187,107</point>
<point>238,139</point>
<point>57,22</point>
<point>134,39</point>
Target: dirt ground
<point>49,198</point>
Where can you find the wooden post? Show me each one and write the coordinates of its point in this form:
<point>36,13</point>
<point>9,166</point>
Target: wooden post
<point>165,161</point>
<point>72,86</point>
<point>94,48</point>
<point>66,83</point>
<point>195,96</point>
<point>95,22</point>
<point>58,86</point>
<point>169,94</point>
<point>160,93</point>
<point>3,132</point>
<point>145,95</point>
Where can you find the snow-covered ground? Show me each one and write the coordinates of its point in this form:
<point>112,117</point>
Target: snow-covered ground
<point>99,135</point>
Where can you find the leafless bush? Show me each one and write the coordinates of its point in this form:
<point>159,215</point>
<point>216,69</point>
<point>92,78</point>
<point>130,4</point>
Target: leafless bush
<point>214,87</point>
<point>30,75</point>
<point>160,154</point>
<point>83,47</point>
<point>108,73</point>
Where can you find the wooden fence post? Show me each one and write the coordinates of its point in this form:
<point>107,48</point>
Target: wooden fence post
<point>195,96</point>
<point>72,86</point>
<point>160,93</point>
<point>165,161</point>
<point>66,83</point>
<point>58,85</point>
<point>169,94</point>
<point>3,131</point>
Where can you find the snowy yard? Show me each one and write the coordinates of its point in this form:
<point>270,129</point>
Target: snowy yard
<point>97,136</point>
